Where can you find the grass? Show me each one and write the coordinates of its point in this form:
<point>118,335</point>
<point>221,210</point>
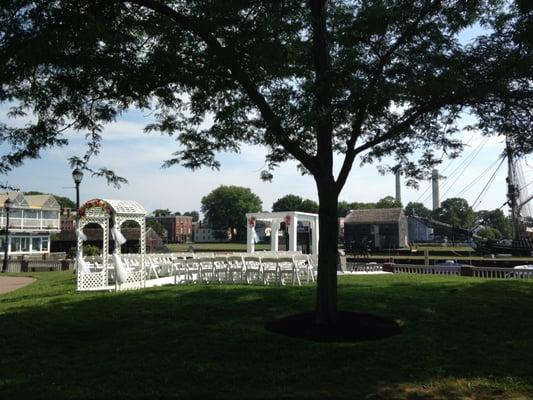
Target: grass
<point>463,338</point>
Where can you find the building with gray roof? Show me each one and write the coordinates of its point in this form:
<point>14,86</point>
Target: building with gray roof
<point>379,228</point>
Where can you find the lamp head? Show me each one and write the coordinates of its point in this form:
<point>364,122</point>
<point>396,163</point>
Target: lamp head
<point>8,204</point>
<point>77,175</point>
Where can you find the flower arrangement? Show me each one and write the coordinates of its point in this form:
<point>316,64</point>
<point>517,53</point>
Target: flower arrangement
<point>251,222</point>
<point>287,220</point>
<point>96,203</point>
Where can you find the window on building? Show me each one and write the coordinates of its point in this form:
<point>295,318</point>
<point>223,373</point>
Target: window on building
<point>31,214</point>
<point>25,244</point>
<point>51,214</point>
<point>2,242</point>
<point>15,213</point>
<point>36,244</point>
<point>15,244</point>
<point>44,244</point>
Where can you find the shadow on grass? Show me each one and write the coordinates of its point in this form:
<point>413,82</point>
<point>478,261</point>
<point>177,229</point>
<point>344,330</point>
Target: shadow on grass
<point>206,341</point>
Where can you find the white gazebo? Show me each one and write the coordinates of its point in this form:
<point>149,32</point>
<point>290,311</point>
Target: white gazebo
<point>105,213</point>
<point>291,219</point>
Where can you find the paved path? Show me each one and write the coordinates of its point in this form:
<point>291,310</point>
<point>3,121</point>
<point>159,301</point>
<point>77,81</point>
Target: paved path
<point>10,283</point>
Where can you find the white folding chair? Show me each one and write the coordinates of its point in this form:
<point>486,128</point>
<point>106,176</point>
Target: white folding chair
<point>220,269</point>
<point>287,267</point>
<point>180,271</point>
<point>235,269</point>
<point>193,269</point>
<point>303,267</point>
<point>270,270</point>
<point>253,270</point>
<point>206,270</point>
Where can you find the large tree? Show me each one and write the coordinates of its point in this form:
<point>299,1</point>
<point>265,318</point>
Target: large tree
<point>456,212</point>
<point>417,209</point>
<point>306,79</point>
<point>226,206</point>
<point>161,212</point>
<point>389,202</point>
<point>292,202</point>
<point>496,219</point>
<point>289,202</point>
<point>194,214</point>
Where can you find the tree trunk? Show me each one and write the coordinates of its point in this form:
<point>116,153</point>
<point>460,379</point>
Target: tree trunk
<point>326,298</point>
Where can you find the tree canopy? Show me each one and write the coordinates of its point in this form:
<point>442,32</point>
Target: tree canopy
<point>388,202</point>
<point>417,209</point>
<point>158,228</point>
<point>161,212</point>
<point>194,214</point>
<point>226,206</point>
<point>456,212</point>
<point>305,79</point>
<point>497,221</point>
<point>291,202</point>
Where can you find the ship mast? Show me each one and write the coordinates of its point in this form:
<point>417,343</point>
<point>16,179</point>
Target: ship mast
<point>513,191</point>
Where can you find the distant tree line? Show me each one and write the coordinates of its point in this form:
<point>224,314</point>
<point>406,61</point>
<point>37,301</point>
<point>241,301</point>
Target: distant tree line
<point>456,211</point>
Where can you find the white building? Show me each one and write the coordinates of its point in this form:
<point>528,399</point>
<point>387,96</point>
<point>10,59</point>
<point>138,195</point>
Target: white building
<point>209,235</point>
<point>32,219</point>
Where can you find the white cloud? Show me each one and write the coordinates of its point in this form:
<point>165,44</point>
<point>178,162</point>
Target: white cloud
<point>138,157</point>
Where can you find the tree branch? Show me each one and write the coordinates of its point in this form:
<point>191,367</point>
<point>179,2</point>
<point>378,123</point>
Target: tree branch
<point>229,59</point>
<point>398,128</point>
<point>406,35</point>
<point>350,150</point>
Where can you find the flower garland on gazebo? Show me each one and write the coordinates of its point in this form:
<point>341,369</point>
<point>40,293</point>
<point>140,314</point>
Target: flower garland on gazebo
<point>96,203</point>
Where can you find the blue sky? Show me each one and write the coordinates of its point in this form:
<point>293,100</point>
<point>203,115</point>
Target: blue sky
<point>138,157</point>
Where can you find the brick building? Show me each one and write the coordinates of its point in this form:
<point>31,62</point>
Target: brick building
<point>67,219</point>
<point>178,227</point>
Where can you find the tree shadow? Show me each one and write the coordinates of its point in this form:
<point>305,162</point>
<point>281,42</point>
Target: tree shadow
<point>205,341</point>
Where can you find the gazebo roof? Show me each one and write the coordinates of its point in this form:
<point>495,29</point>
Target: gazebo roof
<point>126,207</point>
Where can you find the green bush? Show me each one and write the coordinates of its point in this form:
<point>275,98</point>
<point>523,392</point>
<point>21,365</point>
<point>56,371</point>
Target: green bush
<point>489,233</point>
<point>88,250</point>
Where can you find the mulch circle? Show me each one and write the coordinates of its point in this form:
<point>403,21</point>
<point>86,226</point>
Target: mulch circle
<point>349,327</point>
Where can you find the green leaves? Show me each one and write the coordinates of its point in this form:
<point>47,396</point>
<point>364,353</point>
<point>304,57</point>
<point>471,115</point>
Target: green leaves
<point>226,206</point>
<point>219,74</point>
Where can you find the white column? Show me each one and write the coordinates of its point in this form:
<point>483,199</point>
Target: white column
<point>142,248</point>
<point>314,236</point>
<point>293,231</point>
<point>274,230</point>
<point>250,245</point>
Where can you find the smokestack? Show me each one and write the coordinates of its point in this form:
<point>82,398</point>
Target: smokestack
<point>398,186</point>
<point>435,184</point>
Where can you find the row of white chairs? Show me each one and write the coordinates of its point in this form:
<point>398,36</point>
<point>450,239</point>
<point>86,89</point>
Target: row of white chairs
<point>260,267</point>
<point>243,269</point>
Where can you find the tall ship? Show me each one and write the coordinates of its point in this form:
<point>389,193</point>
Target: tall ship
<point>519,202</point>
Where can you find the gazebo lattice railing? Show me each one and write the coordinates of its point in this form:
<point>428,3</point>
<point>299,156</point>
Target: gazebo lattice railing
<point>103,212</point>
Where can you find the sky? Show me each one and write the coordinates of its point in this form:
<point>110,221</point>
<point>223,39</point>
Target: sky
<point>138,157</point>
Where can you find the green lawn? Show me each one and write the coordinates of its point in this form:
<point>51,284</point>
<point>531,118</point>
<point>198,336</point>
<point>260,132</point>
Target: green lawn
<point>463,338</point>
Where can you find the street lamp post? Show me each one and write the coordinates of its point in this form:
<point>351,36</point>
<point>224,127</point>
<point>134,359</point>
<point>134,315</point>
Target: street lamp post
<point>77,175</point>
<point>7,207</point>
